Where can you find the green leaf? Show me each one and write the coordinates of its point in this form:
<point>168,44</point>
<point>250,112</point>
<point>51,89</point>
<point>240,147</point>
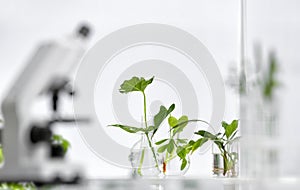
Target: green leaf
<point>191,143</point>
<point>224,125</point>
<point>182,141</point>
<point>149,129</point>
<point>270,83</point>
<point>231,128</point>
<point>181,152</point>
<point>15,186</point>
<point>218,134</point>
<point>172,121</point>
<point>161,141</point>
<point>59,140</point>
<point>189,146</point>
<point>219,143</point>
<point>171,146</point>
<point>183,164</point>
<point>160,116</point>
<point>65,144</point>
<point>135,84</point>
<point>56,137</point>
<point>206,134</point>
<point>171,108</point>
<point>128,129</point>
<point>1,155</point>
<point>182,123</point>
<point>18,186</point>
<point>162,148</point>
<point>198,144</point>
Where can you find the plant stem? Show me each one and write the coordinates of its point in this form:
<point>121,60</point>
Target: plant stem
<point>147,135</point>
<point>225,161</point>
<point>170,158</point>
<point>141,162</point>
<point>152,149</point>
<point>200,120</point>
<point>165,163</point>
<point>145,110</point>
<point>167,157</point>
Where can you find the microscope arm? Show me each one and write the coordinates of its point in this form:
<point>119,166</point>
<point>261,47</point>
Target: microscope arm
<point>50,65</point>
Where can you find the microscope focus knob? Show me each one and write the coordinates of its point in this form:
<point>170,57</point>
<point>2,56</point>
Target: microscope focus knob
<point>40,134</point>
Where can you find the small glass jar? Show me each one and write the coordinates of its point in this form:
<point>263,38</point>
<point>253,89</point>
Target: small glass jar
<point>218,163</point>
<point>226,163</point>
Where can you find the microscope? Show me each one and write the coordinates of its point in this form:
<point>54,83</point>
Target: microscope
<point>28,152</point>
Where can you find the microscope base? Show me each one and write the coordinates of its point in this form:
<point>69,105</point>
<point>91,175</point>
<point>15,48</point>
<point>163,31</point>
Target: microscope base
<point>51,173</point>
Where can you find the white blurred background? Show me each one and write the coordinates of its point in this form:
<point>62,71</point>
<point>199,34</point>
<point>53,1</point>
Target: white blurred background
<point>272,23</point>
<point>275,24</point>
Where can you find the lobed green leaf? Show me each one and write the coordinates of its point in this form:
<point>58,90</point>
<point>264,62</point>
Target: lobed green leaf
<point>182,123</point>
<point>135,84</point>
<point>230,128</point>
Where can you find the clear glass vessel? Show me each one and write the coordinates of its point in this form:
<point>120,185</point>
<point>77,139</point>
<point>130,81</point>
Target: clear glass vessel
<point>226,163</point>
<point>145,161</point>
